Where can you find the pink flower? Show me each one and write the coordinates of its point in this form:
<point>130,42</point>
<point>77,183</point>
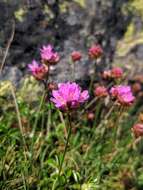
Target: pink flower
<point>120,90</point>
<point>76,56</point>
<point>126,99</point>
<point>38,71</point>
<point>137,129</point>
<point>123,94</point>
<point>69,96</point>
<point>100,91</point>
<point>48,55</point>
<point>95,52</point>
<point>117,72</point>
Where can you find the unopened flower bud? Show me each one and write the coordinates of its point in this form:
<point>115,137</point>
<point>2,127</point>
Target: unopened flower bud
<point>95,52</point>
<point>90,116</point>
<point>117,72</point>
<point>76,56</point>
<point>137,129</point>
<point>100,91</point>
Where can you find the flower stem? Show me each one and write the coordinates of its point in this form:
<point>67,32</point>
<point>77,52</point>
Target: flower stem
<point>66,146</point>
<point>65,150</point>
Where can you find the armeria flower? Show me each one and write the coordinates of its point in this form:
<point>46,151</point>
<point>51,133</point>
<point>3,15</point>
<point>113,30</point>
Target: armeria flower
<point>117,72</point>
<point>69,96</point>
<point>120,90</point>
<point>123,94</point>
<point>37,70</point>
<point>137,129</point>
<point>48,55</point>
<point>76,56</point>
<point>95,52</point>
<point>100,91</point>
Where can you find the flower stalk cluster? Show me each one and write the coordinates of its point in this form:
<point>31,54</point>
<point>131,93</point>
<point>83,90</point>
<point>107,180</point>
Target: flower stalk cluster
<point>69,96</point>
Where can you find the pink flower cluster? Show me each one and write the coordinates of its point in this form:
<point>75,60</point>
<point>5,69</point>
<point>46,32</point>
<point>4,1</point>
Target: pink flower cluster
<point>48,55</point>
<point>69,96</point>
<point>123,94</point>
<point>39,71</point>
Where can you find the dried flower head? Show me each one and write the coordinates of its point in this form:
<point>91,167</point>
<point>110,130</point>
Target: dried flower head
<point>123,94</point>
<point>137,129</point>
<point>100,91</point>
<point>69,96</point>
<point>49,56</point>
<point>39,71</point>
<point>52,86</point>
<point>106,74</point>
<point>76,56</point>
<point>136,87</point>
<point>95,52</point>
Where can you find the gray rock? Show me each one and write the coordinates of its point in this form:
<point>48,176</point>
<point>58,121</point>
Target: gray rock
<point>12,74</point>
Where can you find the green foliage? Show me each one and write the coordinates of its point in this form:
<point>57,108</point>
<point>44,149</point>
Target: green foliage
<point>101,166</point>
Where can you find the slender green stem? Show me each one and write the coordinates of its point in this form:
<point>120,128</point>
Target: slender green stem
<point>98,130</point>
<point>35,124</point>
<point>65,150</point>
<point>66,146</point>
<point>19,120</point>
<point>73,71</point>
<point>118,126</point>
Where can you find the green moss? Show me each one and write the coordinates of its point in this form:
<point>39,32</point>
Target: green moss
<point>131,37</point>
<point>19,14</point>
<point>63,7</point>
<point>137,6</point>
<point>29,90</point>
<point>125,45</point>
<point>130,31</point>
<point>48,12</point>
<point>82,3</point>
<point>5,88</point>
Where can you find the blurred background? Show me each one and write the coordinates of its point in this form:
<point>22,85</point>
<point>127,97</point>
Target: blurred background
<point>25,25</point>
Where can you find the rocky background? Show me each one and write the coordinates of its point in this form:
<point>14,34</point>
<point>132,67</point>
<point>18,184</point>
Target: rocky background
<point>71,25</point>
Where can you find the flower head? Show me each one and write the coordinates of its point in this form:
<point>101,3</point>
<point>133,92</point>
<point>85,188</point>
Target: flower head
<point>95,52</point>
<point>123,94</point>
<point>69,96</point>
<point>48,55</point>
<point>116,72</point>
<point>100,91</point>
<point>137,129</point>
<point>38,71</point>
<point>76,56</point>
